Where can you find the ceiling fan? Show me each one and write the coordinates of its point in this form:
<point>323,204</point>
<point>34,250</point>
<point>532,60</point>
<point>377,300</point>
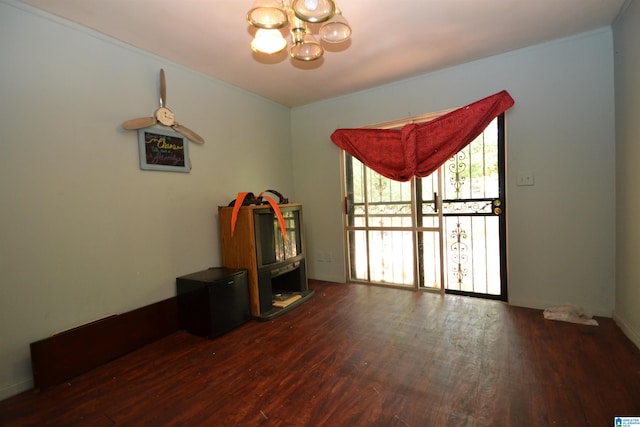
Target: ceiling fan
<point>164,116</point>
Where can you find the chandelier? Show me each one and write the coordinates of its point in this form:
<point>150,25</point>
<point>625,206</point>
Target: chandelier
<point>269,16</point>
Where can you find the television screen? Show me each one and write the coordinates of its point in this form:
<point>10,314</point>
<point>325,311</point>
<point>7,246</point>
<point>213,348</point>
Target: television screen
<point>272,247</point>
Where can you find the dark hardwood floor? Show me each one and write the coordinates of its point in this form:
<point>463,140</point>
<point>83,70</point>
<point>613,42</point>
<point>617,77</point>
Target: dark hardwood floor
<point>355,355</point>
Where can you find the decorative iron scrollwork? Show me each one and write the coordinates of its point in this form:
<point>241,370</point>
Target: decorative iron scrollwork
<point>458,253</point>
<point>467,207</point>
<point>457,166</point>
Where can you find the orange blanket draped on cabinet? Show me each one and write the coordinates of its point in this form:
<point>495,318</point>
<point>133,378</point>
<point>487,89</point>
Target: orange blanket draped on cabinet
<point>419,149</point>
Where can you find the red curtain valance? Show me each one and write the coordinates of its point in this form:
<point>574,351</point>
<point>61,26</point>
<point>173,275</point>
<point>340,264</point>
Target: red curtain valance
<point>420,149</point>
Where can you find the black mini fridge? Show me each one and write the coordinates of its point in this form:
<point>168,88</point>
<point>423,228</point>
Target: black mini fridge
<point>213,301</point>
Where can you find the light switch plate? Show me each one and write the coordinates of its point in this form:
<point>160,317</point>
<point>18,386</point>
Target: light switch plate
<point>524,179</point>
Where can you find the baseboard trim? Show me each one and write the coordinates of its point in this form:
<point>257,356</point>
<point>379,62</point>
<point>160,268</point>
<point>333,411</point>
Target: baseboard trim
<point>13,389</point>
<point>628,330</point>
<point>328,278</point>
<point>78,350</point>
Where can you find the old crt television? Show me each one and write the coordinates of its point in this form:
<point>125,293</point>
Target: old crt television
<point>271,247</point>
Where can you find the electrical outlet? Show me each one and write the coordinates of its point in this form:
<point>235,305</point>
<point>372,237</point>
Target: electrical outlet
<point>524,179</point>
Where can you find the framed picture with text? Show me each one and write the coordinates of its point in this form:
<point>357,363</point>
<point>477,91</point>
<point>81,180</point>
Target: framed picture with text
<point>163,150</point>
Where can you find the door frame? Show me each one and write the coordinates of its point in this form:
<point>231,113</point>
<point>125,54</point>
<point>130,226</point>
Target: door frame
<point>502,224</point>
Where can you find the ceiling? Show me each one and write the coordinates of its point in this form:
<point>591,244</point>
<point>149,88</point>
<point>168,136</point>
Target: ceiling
<point>404,39</point>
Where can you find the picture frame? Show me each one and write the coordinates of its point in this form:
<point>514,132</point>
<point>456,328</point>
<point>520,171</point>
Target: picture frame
<point>163,150</point>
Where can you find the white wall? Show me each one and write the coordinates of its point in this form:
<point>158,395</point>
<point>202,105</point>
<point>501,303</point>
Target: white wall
<point>84,232</point>
<point>560,231</point>
<point>627,63</point>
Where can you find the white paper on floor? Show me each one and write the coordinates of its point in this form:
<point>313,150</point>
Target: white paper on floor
<point>570,313</point>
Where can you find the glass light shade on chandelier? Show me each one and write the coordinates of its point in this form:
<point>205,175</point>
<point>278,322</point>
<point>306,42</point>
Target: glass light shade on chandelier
<point>270,15</point>
<point>336,30</point>
<point>313,10</point>
<point>268,41</point>
<point>306,50</point>
<point>267,14</point>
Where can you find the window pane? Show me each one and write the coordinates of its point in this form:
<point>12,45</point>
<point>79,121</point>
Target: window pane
<point>358,181</point>
<point>473,172</point>
<point>389,201</point>
<point>354,186</point>
<point>358,255</point>
<point>472,255</point>
<point>429,246</point>
<point>391,254</point>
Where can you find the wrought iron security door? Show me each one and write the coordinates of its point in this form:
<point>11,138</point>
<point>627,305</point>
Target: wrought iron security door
<point>472,214</point>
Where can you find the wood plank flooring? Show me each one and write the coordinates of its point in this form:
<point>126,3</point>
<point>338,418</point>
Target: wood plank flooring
<point>356,355</point>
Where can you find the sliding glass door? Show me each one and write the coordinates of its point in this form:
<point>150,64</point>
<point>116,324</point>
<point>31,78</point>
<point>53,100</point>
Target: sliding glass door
<point>443,232</point>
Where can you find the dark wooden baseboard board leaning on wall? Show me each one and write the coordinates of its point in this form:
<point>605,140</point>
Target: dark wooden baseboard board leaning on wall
<point>73,352</point>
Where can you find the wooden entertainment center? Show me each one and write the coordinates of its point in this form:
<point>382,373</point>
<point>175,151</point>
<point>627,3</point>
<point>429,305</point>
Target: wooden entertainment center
<point>275,263</point>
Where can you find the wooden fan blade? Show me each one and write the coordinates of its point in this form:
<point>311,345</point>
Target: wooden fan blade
<point>163,89</point>
<point>188,133</point>
<point>139,123</point>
